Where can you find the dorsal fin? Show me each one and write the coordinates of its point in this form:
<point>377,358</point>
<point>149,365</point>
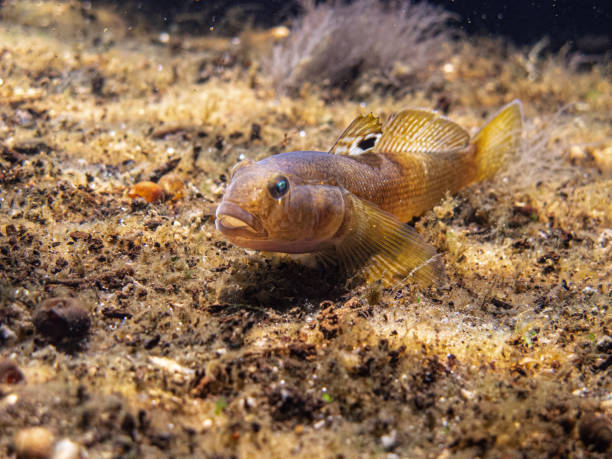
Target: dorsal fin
<point>421,131</point>
<point>360,136</point>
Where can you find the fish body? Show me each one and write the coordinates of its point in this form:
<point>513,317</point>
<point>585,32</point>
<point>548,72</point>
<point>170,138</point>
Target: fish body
<point>351,202</point>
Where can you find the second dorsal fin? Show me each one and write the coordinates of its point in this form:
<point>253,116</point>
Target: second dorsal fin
<point>421,131</point>
<point>360,136</point>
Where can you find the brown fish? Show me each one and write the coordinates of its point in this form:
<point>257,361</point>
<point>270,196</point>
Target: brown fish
<point>351,203</point>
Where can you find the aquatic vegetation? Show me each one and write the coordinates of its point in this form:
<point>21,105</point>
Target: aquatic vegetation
<point>333,42</point>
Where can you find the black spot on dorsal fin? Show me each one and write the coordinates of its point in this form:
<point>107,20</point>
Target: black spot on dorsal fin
<point>366,144</point>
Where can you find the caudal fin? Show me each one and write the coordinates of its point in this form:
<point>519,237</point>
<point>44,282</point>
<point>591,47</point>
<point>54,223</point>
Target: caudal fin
<point>498,140</point>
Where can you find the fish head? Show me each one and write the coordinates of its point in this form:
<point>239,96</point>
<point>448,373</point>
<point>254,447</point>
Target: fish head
<point>265,208</point>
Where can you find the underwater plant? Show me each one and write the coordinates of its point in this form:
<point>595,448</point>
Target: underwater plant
<point>333,42</point>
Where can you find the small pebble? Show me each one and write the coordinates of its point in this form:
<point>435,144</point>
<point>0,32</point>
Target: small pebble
<point>10,372</point>
<point>577,153</point>
<point>604,344</point>
<point>149,191</point>
<point>596,431</point>
<point>207,423</point>
<point>389,441</point>
<point>164,37</point>
<point>606,406</point>
<point>7,335</point>
<point>34,443</point>
<point>62,317</point>
<point>171,366</point>
<point>172,186</point>
<point>603,159</point>
<point>67,449</point>
<point>319,424</point>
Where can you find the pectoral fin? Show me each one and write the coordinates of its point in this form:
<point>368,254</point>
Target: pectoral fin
<point>386,248</point>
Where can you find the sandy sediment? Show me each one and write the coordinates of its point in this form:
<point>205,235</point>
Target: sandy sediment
<point>196,347</point>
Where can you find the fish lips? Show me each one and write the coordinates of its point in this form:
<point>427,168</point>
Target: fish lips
<point>235,222</point>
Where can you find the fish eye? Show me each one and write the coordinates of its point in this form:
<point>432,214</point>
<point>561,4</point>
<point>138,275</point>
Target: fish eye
<point>278,187</point>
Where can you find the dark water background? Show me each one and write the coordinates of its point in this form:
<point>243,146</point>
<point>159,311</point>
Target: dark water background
<point>585,24</point>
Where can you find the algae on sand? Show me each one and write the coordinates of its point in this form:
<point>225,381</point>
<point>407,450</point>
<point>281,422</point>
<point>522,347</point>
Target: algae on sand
<point>198,347</point>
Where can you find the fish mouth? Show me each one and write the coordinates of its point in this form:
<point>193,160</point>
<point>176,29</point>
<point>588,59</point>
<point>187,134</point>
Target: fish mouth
<point>233,221</point>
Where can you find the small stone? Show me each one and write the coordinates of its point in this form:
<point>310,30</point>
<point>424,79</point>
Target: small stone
<point>62,318</point>
<point>595,431</point>
<point>207,423</point>
<point>319,424</point>
<point>67,449</point>
<point>34,443</point>
<point>149,191</point>
<point>604,344</point>
<point>171,366</point>
<point>577,153</point>
<point>7,335</point>
<point>173,186</point>
<point>606,406</point>
<point>10,372</point>
<point>588,290</point>
<point>389,441</point>
<point>603,159</point>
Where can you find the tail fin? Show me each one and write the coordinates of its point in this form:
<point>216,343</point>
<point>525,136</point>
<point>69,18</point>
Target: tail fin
<point>498,140</point>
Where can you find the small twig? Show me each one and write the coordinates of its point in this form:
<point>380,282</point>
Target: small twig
<point>69,282</point>
<point>74,282</point>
